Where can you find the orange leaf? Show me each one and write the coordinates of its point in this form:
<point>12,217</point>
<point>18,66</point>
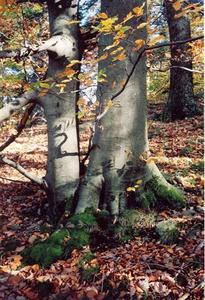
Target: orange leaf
<point>102,15</point>
<point>177,5</point>
<point>138,10</point>
<point>139,44</point>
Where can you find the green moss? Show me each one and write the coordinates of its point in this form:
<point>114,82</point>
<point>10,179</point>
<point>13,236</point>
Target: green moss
<point>81,236</point>
<point>43,254</point>
<point>87,218</point>
<point>47,252</point>
<point>87,257</point>
<point>58,236</point>
<point>168,232</point>
<point>169,194</point>
<point>199,166</point>
<point>148,199</point>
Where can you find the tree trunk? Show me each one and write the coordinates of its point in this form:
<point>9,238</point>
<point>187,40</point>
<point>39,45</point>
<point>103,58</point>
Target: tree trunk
<point>121,135</point>
<point>60,110</point>
<point>181,102</point>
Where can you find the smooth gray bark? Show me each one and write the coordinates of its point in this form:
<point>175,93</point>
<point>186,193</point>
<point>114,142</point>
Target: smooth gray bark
<point>60,108</point>
<point>121,134</point>
<point>181,102</point>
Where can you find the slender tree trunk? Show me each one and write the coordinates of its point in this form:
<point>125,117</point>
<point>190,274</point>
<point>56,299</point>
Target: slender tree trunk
<point>60,110</point>
<point>121,135</point>
<point>181,102</point>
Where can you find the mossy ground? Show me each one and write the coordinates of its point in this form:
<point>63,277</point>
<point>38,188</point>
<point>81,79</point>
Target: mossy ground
<point>89,228</point>
<point>88,267</point>
<point>96,228</point>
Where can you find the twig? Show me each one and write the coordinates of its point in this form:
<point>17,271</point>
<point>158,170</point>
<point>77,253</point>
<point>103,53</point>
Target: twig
<point>187,69</point>
<point>20,127</point>
<point>13,180</point>
<point>21,170</point>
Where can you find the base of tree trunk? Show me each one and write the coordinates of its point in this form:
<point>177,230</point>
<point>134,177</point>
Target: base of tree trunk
<point>116,193</point>
<point>157,191</point>
<point>172,111</point>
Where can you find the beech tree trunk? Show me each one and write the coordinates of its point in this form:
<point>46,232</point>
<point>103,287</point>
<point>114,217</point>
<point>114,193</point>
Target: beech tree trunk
<point>121,135</point>
<point>181,102</point>
<point>60,111</point>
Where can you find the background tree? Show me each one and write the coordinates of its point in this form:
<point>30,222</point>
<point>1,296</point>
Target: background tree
<point>181,102</point>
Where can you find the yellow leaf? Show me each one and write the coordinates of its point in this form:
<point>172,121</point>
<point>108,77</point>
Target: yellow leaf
<point>81,102</point>
<point>151,159</point>
<point>120,57</point>
<point>116,43</point>
<point>41,69</point>
<point>106,25</point>
<point>137,186</point>
<point>139,44</point>
<point>139,181</point>
<point>120,48</point>
<point>74,62</point>
<point>102,57</point>
<point>142,25</point>
<point>138,10</point>
<point>109,103</point>
<point>43,93</point>
<point>177,5</point>
<point>102,16</point>
<point>73,22</point>
<point>130,189</point>
<point>170,250</point>
<point>128,17</point>
<point>69,72</point>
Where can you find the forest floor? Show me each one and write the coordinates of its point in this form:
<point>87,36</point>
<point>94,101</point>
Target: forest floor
<point>142,268</point>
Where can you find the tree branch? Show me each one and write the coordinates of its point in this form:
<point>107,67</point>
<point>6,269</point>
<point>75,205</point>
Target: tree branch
<point>146,48</point>
<point>16,104</point>
<point>21,170</point>
<point>20,127</point>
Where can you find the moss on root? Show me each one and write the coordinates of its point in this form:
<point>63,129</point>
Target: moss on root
<point>155,191</point>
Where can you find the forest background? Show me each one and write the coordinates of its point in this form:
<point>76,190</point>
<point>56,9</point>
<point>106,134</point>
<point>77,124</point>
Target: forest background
<point>131,238</point>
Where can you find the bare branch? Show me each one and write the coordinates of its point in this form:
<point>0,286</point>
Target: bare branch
<point>9,53</point>
<point>20,127</point>
<point>187,69</point>
<point>147,48</point>
<point>21,170</point>
<point>16,104</point>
